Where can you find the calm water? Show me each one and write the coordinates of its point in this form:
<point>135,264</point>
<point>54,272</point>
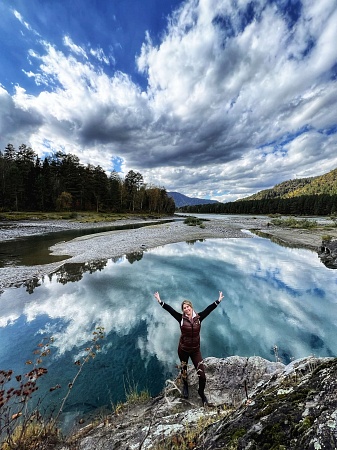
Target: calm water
<point>34,250</point>
<point>273,296</point>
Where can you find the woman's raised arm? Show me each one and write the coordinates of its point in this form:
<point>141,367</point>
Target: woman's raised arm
<point>157,296</point>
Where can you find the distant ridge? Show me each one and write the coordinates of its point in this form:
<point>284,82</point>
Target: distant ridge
<point>182,200</point>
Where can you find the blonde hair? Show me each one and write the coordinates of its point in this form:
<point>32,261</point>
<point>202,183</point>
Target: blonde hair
<point>186,302</point>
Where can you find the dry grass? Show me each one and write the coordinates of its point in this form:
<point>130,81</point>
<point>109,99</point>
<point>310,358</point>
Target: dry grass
<point>81,216</point>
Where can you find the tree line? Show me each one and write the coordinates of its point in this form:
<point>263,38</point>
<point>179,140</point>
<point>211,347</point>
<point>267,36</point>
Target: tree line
<point>60,182</point>
<point>304,205</point>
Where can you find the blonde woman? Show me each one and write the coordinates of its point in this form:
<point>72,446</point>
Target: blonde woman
<point>189,342</point>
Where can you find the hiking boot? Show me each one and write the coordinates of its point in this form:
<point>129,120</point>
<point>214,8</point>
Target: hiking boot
<point>185,390</point>
<point>203,398</point>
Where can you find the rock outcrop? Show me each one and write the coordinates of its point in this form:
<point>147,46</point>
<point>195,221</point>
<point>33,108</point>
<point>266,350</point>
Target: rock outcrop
<point>257,404</point>
<point>327,253</point>
<point>294,410</point>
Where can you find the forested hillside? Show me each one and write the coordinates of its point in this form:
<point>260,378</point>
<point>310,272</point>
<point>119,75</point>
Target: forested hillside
<point>306,196</point>
<point>323,184</point>
<point>282,190</point>
<point>61,182</point>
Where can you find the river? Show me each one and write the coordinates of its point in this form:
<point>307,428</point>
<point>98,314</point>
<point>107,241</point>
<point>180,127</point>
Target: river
<point>279,303</point>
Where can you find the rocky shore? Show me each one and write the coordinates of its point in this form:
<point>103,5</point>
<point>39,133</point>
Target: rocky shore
<point>111,244</point>
<point>256,404</point>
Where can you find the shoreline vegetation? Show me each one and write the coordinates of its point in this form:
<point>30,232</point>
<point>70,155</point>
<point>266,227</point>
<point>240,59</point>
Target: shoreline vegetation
<point>117,243</point>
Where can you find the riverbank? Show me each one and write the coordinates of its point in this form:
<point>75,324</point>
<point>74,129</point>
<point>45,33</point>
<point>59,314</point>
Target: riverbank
<point>111,244</point>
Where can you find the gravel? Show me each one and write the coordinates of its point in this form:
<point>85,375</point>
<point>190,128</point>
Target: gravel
<point>111,244</point>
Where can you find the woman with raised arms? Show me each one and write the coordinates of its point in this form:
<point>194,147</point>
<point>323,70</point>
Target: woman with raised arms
<point>189,342</point>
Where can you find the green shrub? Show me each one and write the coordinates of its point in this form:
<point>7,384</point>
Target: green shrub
<point>192,221</point>
<point>294,223</point>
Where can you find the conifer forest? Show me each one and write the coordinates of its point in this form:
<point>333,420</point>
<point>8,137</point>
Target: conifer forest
<point>61,183</point>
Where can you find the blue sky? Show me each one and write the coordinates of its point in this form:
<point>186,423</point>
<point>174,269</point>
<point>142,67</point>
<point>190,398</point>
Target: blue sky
<point>210,98</point>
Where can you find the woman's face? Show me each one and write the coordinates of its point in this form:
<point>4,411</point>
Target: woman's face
<point>187,309</point>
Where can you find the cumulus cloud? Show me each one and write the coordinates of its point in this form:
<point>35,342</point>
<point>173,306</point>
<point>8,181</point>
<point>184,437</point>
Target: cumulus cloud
<point>238,99</point>
<point>17,122</point>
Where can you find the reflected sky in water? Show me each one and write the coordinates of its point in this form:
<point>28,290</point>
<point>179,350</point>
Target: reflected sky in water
<point>273,296</point>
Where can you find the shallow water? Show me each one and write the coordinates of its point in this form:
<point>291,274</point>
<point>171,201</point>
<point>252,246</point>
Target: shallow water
<point>274,296</point>
<point>34,250</point>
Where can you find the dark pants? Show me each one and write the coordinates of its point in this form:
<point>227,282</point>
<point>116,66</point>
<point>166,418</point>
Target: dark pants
<point>197,362</point>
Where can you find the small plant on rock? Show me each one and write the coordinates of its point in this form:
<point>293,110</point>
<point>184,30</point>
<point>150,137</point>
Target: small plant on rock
<point>132,393</point>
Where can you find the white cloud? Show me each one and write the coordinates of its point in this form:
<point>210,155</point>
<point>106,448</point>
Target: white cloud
<point>219,90</point>
<point>99,54</point>
<point>67,41</point>
<point>21,20</point>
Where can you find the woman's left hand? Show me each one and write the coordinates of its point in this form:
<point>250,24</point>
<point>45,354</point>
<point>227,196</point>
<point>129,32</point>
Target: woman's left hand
<point>220,296</point>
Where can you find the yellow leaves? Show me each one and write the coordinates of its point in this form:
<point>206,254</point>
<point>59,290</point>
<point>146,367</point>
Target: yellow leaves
<point>118,409</point>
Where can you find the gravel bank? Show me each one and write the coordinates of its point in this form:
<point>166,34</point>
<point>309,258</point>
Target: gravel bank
<point>112,244</point>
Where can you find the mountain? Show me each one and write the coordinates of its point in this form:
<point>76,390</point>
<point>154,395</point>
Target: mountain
<point>183,200</point>
<point>322,184</point>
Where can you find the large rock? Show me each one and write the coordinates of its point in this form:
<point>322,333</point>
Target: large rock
<point>258,404</point>
<point>229,380</point>
<point>294,410</point>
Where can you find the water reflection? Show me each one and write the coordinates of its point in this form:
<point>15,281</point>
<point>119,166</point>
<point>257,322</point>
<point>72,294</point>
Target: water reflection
<point>273,296</point>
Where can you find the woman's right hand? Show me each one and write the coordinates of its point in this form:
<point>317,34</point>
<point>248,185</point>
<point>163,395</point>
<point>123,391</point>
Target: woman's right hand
<point>157,296</point>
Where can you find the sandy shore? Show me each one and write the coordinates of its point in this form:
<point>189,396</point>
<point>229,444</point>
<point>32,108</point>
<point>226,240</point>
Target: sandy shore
<point>106,245</point>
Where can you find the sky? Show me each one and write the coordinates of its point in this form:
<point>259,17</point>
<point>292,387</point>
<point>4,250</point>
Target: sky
<point>213,99</point>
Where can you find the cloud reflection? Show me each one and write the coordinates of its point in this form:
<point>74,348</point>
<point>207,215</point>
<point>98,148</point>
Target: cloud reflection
<point>273,296</point>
